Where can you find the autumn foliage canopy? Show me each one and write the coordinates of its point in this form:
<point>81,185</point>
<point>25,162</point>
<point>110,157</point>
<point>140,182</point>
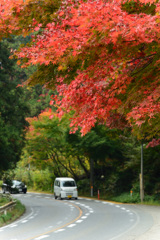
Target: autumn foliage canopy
<point>101,56</point>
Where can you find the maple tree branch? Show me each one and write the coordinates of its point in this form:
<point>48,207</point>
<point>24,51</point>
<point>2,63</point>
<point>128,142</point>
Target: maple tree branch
<point>148,56</point>
<point>141,67</point>
<point>143,63</point>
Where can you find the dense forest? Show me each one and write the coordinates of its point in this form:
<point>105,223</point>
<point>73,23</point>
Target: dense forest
<point>79,98</point>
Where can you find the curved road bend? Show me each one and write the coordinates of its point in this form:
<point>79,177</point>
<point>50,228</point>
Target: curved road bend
<point>47,218</point>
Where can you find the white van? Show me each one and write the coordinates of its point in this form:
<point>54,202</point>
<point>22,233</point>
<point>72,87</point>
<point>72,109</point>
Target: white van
<point>65,187</point>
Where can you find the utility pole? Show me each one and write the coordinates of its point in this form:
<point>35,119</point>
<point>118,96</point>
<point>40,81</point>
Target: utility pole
<point>91,175</point>
<point>141,176</point>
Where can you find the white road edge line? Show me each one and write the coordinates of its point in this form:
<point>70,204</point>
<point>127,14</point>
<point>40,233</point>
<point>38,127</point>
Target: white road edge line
<point>128,230</point>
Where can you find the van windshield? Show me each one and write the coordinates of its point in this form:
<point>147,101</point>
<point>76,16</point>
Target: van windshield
<point>68,184</point>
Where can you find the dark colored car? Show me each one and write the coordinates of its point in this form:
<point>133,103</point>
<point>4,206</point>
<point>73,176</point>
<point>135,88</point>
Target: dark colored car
<point>14,186</point>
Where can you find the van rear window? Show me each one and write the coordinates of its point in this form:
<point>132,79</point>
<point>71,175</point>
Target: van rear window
<point>68,184</point>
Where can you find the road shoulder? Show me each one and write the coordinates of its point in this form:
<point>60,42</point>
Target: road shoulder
<point>154,232</point>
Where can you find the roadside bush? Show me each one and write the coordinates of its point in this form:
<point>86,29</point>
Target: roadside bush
<point>127,198</point>
<point>42,180</point>
<point>5,218</point>
<point>157,196</point>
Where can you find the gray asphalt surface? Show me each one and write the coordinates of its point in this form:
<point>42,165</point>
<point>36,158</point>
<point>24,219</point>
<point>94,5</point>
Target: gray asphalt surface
<point>47,218</point>
<point>154,232</point>
<point>148,227</point>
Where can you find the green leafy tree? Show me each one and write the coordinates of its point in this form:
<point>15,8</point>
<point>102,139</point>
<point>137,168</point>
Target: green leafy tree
<point>13,111</point>
<point>47,145</point>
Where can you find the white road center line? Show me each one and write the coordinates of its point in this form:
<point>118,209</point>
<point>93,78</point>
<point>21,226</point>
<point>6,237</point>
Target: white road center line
<point>41,237</point>
<point>60,230</point>
<point>79,221</point>
<point>123,208</point>
<point>71,225</point>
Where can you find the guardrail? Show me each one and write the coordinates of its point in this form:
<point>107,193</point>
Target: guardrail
<point>9,206</point>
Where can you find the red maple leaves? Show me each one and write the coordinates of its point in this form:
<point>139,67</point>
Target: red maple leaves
<point>106,60</point>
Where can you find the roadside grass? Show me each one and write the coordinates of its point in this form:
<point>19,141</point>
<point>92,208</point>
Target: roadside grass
<point>127,198</point>
<point>151,203</point>
<point>12,215</point>
<point>135,198</point>
<point>3,201</point>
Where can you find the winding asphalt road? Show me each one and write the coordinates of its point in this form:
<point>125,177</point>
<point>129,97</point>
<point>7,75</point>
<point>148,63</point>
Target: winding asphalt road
<point>82,219</point>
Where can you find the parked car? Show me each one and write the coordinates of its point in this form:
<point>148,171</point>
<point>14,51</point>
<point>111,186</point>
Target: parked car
<point>65,188</point>
<point>14,186</point>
